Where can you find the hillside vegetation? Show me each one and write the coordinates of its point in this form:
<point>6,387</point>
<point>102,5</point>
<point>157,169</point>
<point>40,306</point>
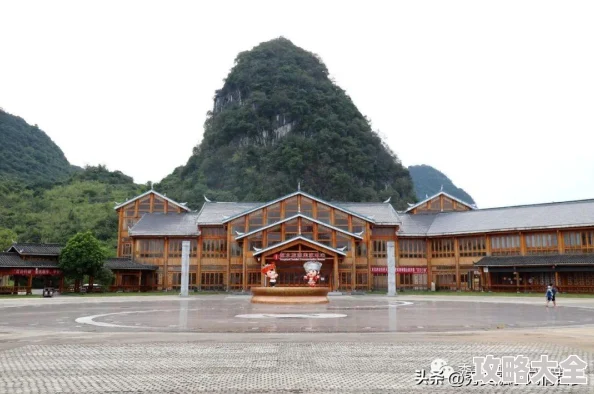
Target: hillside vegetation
<point>279,120</point>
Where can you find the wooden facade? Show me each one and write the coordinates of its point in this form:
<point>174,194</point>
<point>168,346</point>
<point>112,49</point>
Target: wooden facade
<point>228,250</point>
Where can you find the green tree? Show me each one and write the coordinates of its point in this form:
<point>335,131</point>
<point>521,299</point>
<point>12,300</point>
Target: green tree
<point>7,237</point>
<point>82,255</point>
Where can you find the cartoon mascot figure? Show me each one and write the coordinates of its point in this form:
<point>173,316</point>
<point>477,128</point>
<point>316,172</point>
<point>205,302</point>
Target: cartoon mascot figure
<point>270,271</point>
<point>312,271</point>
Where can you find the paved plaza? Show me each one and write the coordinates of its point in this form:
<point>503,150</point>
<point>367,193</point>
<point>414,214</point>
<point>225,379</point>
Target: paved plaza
<point>220,343</point>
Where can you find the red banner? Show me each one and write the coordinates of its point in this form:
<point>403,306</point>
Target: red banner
<point>32,271</point>
<point>399,270</point>
<point>296,256</point>
<point>411,270</point>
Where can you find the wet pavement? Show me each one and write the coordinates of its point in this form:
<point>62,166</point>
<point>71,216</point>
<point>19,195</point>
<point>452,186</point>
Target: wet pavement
<point>235,314</point>
<point>220,343</point>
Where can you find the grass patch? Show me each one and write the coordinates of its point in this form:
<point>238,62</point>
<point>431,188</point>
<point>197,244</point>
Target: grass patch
<point>20,296</point>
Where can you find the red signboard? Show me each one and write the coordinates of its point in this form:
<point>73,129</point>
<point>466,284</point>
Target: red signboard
<point>297,256</point>
<point>32,271</point>
<point>411,270</point>
<point>399,270</point>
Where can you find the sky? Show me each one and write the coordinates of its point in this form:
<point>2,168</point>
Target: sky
<point>498,95</point>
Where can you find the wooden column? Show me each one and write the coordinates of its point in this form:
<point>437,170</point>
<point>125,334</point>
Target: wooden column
<point>556,278</point>
<point>166,263</point>
<point>335,274</point>
<point>429,273</point>
<point>61,288</point>
<point>457,260</point>
<point>199,259</point>
<point>489,281</point>
<point>369,242</point>
<point>517,281</point>
<point>522,245</point>
<point>560,242</point>
<point>30,284</point>
<point>139,279</point>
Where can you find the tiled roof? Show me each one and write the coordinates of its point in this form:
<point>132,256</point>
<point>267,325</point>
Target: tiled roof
<point>36,249</point>
<point>548,260</point>
<point>382,213</point>
<point>13,260</point>
<point>525,217</point>
<point>216,212</point>
<point>338,206</point>
<point>162,224</point>
<point>127,264</point>
<point>182,206</point>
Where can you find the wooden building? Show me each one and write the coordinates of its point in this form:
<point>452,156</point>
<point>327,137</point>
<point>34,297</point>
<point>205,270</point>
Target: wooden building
<point>24,261</point>
<point>441,241</point>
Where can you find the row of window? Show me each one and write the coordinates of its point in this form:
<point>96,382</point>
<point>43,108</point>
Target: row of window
<point>538,243</point>
<point>144,206</point>
<point>543,243</point>
<point>291,207</point>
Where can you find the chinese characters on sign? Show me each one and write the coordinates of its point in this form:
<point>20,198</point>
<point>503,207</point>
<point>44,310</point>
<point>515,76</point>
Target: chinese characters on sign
<point>34,271</point>
<point>399,270</point>
<point>294,256</point>
<point>506,370</point>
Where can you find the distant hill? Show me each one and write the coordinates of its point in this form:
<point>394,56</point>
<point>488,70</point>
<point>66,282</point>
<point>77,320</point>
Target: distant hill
<point>279,120</point>
<point>83,202</point>
<point>428,181</point>
<point>28,155</point>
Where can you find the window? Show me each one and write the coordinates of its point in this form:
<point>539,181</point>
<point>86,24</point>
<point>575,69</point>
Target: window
<point>341,220</point>
<point>505,245</point>
<point>273,236</point>
<point>541,243</point>
<point>158,205</point>
<point>579,242</point>
<point>361,249</point>
<point>342,241</point>
<point>442,248</point>
<point>129,211</point>
<point>273,213</point>
<point>255,241</point>
<point>127,249</point>
<point>255,221</point>
<point>412,248</point>
<point>307,228</point>
<point>323,213</point>
<point>307,207</point>
<point>324,236</point>
<point>144,206</point>
<point>214,248</point>
<point>472,246</point>
<point>236,250</point>
<point>291,229</point>
<point>175,247</point>
<point>128,223</point>
<point>291,207</point>
<point>379,248</point>
<point>358,225</point>
<point>176,279</point>
<point>238,226</point>
<point>150,248</point>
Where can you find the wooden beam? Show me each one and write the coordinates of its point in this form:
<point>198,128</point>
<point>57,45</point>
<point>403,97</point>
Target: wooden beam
<point>457,260</point>
<point>335,273</point>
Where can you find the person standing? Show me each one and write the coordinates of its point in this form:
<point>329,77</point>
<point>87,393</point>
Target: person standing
<point>550,295</point>
<point>554,290</point>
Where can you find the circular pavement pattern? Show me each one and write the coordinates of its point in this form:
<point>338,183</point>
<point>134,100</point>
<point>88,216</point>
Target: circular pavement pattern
<point>343,314</point>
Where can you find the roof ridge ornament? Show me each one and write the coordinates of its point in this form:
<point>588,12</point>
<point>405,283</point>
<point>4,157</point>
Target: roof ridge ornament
<point>388,200</point>
<point>298,186</point>
<point>206,199</point>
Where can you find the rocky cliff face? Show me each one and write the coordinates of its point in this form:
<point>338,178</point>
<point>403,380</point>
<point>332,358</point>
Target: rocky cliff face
<point>279,120</point>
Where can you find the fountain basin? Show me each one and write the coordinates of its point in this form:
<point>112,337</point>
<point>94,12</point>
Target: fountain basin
<point>290,295</point>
